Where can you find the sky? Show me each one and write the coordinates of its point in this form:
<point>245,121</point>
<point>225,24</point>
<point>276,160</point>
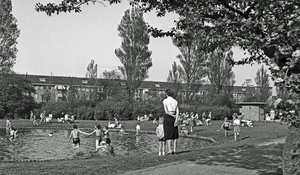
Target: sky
<point>64,45</point>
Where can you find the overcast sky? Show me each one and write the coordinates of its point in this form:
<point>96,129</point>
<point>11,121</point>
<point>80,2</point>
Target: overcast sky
<point>65,44</point>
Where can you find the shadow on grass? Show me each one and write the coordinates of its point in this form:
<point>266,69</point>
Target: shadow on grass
<point>264,159</point>
<point>245,138</point>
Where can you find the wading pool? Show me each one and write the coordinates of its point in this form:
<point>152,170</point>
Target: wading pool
<point>35,144</point>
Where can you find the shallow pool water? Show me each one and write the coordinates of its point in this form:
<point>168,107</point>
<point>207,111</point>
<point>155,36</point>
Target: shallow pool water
<point>35,144</point>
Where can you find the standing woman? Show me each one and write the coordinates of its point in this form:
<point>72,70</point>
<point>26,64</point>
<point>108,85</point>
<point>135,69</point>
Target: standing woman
<point>170,123</point>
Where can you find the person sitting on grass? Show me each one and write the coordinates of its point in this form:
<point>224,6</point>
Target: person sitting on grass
<point>225,126</point>
<point>75,136</point>
<point>160,135</point>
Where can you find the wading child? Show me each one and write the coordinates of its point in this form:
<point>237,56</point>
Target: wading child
<point>236,127</point>
<point>160,134</point>
<point>122,130</point>
<point>106,135</point>
<point>225,126</point>
<point>138,129</point>
<point>13,134</point>
<point>98,137</point>
<point>75,136</point>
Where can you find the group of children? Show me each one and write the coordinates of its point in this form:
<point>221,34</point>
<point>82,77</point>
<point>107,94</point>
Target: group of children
<point>12,132</point>
<point>102,140</point>
<point>236,126</point>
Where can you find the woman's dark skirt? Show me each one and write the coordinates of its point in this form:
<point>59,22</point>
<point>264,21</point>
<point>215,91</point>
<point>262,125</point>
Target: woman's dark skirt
<point>170,131</point>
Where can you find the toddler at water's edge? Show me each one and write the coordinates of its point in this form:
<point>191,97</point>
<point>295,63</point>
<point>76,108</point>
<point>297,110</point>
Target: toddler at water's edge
<point>160,135</point>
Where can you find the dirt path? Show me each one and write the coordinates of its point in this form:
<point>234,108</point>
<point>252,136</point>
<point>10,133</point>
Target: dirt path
<point>262,159</point>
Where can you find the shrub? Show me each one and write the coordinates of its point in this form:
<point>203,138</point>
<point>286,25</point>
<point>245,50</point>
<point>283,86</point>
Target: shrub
<point>56,108</point>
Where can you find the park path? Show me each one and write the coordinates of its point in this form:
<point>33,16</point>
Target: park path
<point>262,159</point>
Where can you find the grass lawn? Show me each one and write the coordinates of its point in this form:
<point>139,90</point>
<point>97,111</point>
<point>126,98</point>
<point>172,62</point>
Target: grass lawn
<point>250,136</point>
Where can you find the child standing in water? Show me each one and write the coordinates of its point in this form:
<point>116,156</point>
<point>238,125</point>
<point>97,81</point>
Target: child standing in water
<point>98,132</point>
<point>75,136</point>
<point>13,134</point>
<point>138,129</point>
<point>106,135</point>
<point>160,134</point>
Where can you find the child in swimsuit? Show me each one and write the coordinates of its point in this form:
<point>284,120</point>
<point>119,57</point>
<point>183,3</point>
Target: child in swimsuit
<point>236,127</point>
<point>13,134</point>
<point>98,132</point>
<point>225,126</point>
<point>138,129</point>
<point>160,135</point>
<point>75,136</point>
<point>122,131</point>
<point>106,135</point>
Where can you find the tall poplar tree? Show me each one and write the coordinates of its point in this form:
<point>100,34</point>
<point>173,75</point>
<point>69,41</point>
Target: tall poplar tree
<point>263,83</point>
<point>134,53</point>
<point>9,33</point>
<point>175,77</point>
<point>192,61</point>
<point>220,70</point>
<point>220,76</point>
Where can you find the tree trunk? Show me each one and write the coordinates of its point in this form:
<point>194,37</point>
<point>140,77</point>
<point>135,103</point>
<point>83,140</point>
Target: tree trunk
<point>291,153</point>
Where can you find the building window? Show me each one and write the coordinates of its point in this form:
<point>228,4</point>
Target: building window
<point>202,93</point>
<point>42,79</point>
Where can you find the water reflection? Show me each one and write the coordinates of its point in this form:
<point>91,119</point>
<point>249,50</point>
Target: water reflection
<point>36,144</point>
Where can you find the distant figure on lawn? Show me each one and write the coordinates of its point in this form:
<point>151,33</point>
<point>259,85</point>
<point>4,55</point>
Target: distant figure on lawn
<point>8,126</point>
<point>43,117</point>
<point>236,126</point>
<point>208,120</point>
<point>33,118</point>
<point>225,126</point>
<point>272,114</point>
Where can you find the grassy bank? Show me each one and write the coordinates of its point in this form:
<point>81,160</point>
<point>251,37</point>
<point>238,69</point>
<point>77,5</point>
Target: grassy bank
<point>261,132</point>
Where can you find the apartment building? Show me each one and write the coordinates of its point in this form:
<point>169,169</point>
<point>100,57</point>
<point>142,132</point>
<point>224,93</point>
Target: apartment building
<point>58,87</point>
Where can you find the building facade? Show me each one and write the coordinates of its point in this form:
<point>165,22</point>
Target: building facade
<point>58,88</point>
